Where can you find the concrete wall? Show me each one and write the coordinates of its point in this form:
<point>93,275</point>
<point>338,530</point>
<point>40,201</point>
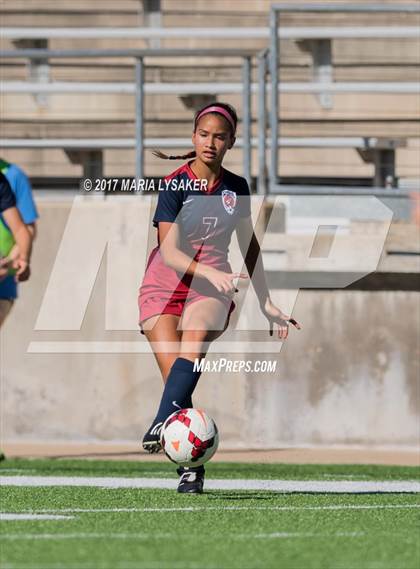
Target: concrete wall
<point>350,376</point>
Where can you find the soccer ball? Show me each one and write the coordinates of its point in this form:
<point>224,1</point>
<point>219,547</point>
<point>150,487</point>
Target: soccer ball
<point>189,437</point>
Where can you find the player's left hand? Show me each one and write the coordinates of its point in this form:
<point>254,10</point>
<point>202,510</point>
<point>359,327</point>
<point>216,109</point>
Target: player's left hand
<point>22,268</point>
<point>17,264</point>
<point>6,263</point>
<point>275,316</point>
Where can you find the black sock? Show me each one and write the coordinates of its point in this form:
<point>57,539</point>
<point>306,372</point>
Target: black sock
<point>179,388</point>
<point>188,402</point>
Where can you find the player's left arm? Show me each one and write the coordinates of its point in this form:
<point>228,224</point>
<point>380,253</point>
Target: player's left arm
<point>251,252</point>
<point>15,252</point>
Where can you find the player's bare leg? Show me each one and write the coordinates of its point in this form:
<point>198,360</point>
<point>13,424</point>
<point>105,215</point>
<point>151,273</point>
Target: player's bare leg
<point>6,306</point>
<point>161,330</point>
<point>202,322</point>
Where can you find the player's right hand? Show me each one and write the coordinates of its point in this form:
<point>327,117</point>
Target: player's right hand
<point>5,266</point>
<point>4,270</point>
<point>223,282</point>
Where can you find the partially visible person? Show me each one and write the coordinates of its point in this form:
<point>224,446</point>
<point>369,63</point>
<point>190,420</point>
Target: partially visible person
<point>12,229</point>
<point>17,232</point>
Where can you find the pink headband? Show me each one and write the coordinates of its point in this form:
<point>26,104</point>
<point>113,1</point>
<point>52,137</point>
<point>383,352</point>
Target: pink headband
<point>217,109</point>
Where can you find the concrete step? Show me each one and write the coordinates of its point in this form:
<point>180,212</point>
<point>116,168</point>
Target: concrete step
<point>154,127</point>
<point>293,106</point>
<point>78,13</point>
<point>103,72</point>
<point>293,162</point>
<point>175,13</point>
<point>395,51</point>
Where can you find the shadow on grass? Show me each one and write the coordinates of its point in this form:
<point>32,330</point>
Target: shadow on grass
<point>269,495</point>
<point>245,495</point>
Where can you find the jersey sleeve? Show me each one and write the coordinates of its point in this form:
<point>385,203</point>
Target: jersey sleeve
<point>245,200</point>
<point>7,198</point>
<point>168,206</point>
<point>24,199</point>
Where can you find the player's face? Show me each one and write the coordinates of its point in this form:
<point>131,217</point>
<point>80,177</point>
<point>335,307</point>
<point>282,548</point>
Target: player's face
<point>212,138</point>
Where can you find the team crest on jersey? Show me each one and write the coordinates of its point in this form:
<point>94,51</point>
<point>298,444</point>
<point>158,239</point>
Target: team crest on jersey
<point>229,201</point>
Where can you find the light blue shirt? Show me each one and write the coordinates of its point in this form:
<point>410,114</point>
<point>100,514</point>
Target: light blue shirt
<point>21,187</point>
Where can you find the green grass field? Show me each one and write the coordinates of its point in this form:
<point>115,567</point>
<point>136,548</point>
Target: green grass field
<point>105,527</point>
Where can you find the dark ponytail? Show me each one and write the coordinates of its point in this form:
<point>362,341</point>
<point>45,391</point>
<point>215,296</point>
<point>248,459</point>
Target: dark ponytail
<point>192,154</point>
<point>160,154</point>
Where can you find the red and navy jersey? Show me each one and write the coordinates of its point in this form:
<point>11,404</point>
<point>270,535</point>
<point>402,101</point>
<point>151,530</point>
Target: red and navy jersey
<point>206,219</point>
<point>7,198</point>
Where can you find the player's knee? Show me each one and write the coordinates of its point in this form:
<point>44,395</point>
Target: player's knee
<point>195,335</point>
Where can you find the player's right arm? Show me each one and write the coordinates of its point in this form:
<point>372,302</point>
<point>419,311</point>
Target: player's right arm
<point>27,209</point>
<point>165,219</point>
<point>23,240</point>
<point>173,257</point>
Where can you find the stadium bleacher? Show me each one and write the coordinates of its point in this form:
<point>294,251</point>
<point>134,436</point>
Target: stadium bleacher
<point>110,115</point>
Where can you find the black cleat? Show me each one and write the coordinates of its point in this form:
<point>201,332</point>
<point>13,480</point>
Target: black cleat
<point>151,440</point>
<point>191,481</point>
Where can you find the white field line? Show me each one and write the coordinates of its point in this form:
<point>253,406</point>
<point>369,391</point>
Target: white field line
<point>277,535</point>
<point>154,536</point>
<point>25,536</point>
<point>138,564</point>
<point>222,508</point>
<point>346,476</point>
<point>322,486</point>
<point>6,517</point>
<point>26,470</point>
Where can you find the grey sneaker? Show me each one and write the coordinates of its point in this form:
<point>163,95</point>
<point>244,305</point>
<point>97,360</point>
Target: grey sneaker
<point>151,440</point>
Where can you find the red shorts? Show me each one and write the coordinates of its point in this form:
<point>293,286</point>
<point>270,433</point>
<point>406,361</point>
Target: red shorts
<point>153,305</point>
<point>162,292</point>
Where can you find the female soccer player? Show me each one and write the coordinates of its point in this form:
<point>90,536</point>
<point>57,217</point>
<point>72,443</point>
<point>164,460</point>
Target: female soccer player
<point>186,295</point>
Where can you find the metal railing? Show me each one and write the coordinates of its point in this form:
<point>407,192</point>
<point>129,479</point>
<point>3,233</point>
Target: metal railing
<point>215,88</point>
<point>273,57</point>
<point>263,32</point>
<point>100,143</point>
<point>139,85</point>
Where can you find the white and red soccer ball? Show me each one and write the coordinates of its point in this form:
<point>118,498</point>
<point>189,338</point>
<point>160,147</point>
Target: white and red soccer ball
<point>189,437</point>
